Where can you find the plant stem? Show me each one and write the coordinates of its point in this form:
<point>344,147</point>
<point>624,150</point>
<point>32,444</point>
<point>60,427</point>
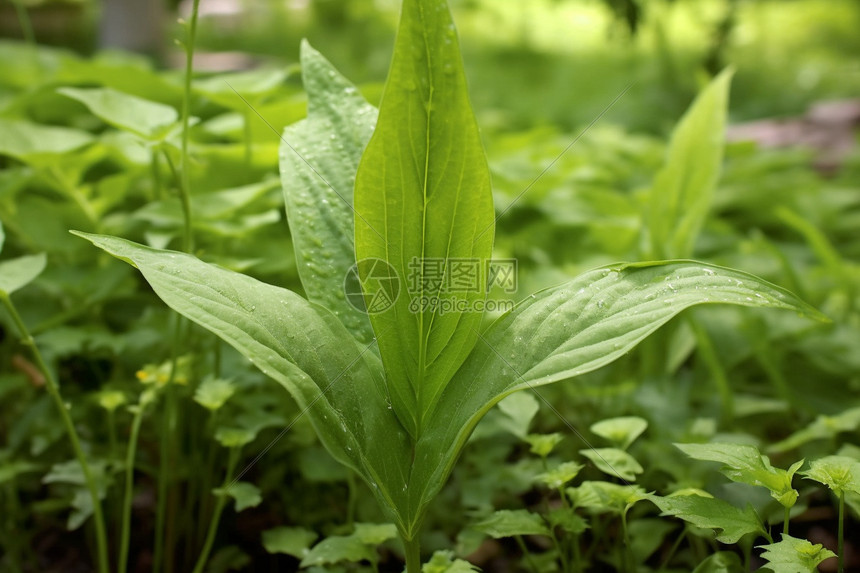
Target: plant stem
<point>25,22</point>
<point>785,522</point>
<point>718,373</point>
<point>185,187</point>
<point>219,507</point>
<point>412,551</point>
<point>54,391</point>
<point>841,534</point>
<point>129,485</point>
<point>526,553</point>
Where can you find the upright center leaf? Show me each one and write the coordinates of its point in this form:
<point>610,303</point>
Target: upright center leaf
<point>424,206</point>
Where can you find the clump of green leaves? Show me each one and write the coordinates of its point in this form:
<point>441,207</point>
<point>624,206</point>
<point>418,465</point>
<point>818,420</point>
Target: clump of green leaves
<point>395,394</point>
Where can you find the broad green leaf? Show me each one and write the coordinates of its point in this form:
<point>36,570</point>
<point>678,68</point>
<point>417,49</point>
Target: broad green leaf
<point>508,523</point>
<point>561,474</point>
<point>792,555</point>
<point>744,463</point>
<point>602,496</point>
<point>144,118</point>
<point>424,205</point>
<point>243,493</point>
<point>684,188</point>
<point>319,159</point>
<point>338,548</point>
<point>569,330</point>
<point>721,562</point>
<point>300,345</point>
<point>614,462</point>
<point>620,431</point>
<point>214,393</point>
<point>840,473</point>
<point>824,427</point>
<point>543,444</point>
<point>18,273</point>
<point>295,541</point>
<point>36,144</point>
<point>729,522</point>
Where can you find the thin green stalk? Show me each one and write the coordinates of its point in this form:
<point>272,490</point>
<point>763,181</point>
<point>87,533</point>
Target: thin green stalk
<point>712,361</point>
<point>25,22</point>
<point>168,427</point>
<point>248,151</point>
<point>412,551</point>
<point>125,535</point>
<point>219,507</point>
<point>54,391</point>
<point>526,554</point>
<point>186,115</point>
<point>785,521</point>
<point>840,543</point>
<point>672,551</point>
<point>628,557</point>
<point>351,499</point>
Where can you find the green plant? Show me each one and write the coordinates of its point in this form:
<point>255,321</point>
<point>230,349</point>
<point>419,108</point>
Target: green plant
<point>394,395</point>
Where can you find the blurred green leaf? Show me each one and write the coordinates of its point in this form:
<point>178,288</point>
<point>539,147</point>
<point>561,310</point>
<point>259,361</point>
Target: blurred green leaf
<point>295,541</point>
<point>614,462</point>
<point>39,144</point>
<point>20,272</point>
<point>144,118</point>
<point>243,493</point>
<point>621,431</point>
<point>509,523</point>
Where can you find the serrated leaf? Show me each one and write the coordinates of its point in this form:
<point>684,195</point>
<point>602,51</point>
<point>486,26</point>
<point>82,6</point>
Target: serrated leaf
<point>743,463</point>
<point>319,159</point>
<point>621,431</point>
<point>147,119</point>
<point>684,188</point>
<point>423,202</point>
<point>509,523</point>
<point>243,493</point>
<point>295,541</point>
<point>792,555</point>
<point>335,549</point>
<point>18,273</point>
<point>568,520</point>
<point>728,522</point>
<point>614,462</point>
<point>35,144</point>
<point>839,473</point>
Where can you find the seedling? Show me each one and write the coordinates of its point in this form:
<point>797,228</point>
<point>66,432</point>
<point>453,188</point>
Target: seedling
<point>395,386</point>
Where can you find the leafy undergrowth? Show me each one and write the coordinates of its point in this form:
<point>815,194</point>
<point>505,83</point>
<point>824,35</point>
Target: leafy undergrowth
<point>725,442</point>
